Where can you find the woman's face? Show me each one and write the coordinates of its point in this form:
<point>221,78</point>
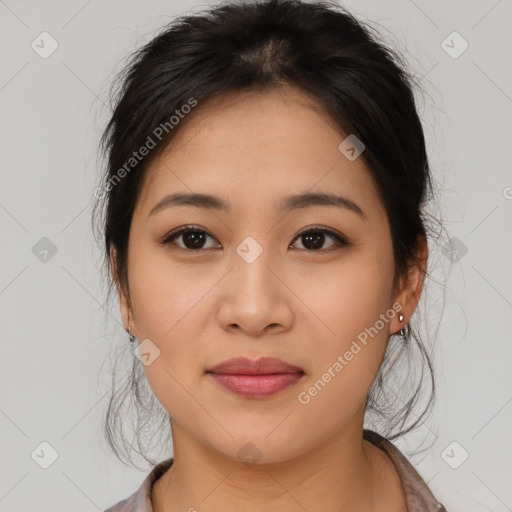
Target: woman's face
<point>250,285</point>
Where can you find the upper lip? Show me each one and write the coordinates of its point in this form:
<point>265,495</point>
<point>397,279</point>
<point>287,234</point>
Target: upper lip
<point>262,366</point>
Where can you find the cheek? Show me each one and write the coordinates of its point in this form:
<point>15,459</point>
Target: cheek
<point>170,312</point>
<point>350,295</point>
<point>354,310</point>
<point>162,318</point>
<point>164,293</point>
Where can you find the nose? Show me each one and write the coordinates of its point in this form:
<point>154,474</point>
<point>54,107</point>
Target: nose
<point>255,299</point>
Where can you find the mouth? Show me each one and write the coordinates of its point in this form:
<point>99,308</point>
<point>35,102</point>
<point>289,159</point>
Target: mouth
<point>261,378</point>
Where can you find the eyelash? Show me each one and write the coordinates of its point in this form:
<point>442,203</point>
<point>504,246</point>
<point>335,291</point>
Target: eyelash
<point>341,240</point>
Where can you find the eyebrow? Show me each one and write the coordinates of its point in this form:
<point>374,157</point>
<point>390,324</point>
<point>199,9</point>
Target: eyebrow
<point>293,202</point>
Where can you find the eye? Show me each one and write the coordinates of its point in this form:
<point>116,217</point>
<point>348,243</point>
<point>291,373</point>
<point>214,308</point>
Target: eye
<point>193,238</point>
<point>313,239</point>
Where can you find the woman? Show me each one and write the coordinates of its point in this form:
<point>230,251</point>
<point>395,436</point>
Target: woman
<point>264,228</point>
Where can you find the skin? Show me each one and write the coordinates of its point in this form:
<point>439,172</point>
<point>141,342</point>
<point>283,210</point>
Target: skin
<point>294,303</point>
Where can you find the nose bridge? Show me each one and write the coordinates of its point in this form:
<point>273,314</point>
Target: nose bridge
<point>251,269</point>
<point>255,297</point>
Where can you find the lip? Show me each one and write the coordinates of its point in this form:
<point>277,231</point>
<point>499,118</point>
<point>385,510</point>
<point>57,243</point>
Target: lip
<point>261,366</point>
<point>264,377</point>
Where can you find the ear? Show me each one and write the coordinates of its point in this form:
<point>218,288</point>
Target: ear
<point>411,286</point>
<point>124,300</point>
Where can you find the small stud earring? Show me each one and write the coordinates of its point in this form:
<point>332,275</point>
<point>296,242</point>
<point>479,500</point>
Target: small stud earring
<point>401,332</point>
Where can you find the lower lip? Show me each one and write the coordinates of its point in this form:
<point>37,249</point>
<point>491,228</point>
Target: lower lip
<point>257,385</point>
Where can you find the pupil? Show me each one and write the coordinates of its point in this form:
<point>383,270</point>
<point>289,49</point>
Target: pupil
<point>195,238</point>
<point>315,240</point>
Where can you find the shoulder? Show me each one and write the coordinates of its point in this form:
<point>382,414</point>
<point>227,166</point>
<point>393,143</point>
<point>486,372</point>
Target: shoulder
<point>419,497</point>
<point>140,500</point>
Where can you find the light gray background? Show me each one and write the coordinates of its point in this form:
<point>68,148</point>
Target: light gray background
<point>55,335</point>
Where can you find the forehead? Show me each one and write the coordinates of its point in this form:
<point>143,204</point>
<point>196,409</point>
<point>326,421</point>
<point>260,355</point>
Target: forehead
<point>257,146</point>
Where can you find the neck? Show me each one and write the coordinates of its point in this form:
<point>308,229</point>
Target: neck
<point>344,473</point>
